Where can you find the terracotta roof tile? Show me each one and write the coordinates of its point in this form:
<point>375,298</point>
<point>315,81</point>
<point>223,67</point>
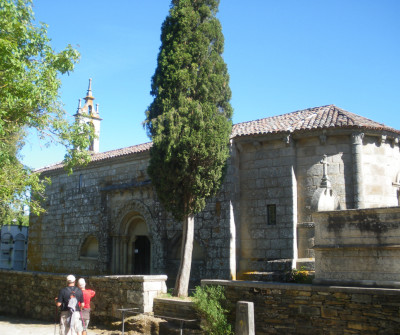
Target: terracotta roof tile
<point>328,116</point>
<point>106,155</point>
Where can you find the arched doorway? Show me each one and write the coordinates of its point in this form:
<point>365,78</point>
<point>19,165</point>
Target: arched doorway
<point>132,246</point>
<point>141,259</point>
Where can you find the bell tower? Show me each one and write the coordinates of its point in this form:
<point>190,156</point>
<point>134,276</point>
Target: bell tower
<point>87,113</point>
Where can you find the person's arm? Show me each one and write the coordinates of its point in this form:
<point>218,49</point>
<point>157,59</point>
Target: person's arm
<point>81,299</point>
<point>59,299</point>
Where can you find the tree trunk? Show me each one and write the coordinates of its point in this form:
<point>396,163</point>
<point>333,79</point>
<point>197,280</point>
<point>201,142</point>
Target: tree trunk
<point>182,279</point>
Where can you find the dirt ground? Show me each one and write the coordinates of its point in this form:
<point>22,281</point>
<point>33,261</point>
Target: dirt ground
<point>138,325</point>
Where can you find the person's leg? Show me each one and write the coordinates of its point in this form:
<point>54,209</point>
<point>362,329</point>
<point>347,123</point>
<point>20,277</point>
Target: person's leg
<point>84,332</point>
<point>78,328</point>
<point>64,327</point>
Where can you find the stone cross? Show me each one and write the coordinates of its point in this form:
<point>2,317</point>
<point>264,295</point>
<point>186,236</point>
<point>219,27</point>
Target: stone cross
<point>396,185</point>
<point>326,183</point>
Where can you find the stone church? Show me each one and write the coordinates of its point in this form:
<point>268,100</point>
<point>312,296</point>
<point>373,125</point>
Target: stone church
<point>106,218</point>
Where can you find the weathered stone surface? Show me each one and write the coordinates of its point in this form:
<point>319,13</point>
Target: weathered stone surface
<point>112,201</point>
<point>244,318</point>
<point>358,247</point>
<point>327,310</point>
<point>32,294</point>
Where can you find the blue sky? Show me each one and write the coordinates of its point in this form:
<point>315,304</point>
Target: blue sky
<point>282,56</point>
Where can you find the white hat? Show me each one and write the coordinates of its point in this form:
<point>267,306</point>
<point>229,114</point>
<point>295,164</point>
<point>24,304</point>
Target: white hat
<point>70,279</point>
<point>81,282</point>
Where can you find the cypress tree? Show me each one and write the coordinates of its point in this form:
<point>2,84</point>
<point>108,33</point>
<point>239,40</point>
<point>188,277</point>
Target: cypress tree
<point>190,118</point>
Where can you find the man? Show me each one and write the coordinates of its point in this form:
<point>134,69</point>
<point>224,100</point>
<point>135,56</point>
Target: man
<point>87,296</point>
<point>68,299</point>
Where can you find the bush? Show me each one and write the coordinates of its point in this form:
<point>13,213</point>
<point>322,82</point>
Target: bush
<point>301,276</point>
<point>209,302</point>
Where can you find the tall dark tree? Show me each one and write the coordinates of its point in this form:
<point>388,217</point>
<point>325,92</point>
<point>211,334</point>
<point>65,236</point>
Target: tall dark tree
<point>190,118</point>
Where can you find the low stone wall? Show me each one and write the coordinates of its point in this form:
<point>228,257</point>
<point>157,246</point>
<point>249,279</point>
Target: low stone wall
<point>32,294</point>
<point>167,308</point>
<point>278,307</point>
<point>310,309</point>
<point>358,247</point>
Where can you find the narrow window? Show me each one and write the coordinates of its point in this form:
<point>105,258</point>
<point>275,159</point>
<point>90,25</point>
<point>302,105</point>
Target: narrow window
<point>271,214</point>
<point>218,209</point>
<point>80,182</point>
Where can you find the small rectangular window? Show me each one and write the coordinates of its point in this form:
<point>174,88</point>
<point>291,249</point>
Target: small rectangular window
<point>271,214</point>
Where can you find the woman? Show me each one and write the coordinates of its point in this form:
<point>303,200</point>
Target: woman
<point>87,296</point>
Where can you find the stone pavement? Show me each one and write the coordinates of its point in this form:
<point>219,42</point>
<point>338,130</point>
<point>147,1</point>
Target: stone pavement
<point>10,325</point>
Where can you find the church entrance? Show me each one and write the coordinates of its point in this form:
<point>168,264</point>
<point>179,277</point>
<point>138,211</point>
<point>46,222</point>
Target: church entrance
<point>132,247</point>
<point>141,259</point>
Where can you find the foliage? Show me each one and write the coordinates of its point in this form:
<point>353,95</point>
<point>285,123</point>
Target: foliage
<point>11,217</point>
<point>301,276</point>
<point>209,301</point>
<point>29,100</point>
<point>189,119</point>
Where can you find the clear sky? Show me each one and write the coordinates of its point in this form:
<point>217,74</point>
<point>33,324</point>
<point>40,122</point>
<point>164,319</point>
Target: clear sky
<point>282,56</point>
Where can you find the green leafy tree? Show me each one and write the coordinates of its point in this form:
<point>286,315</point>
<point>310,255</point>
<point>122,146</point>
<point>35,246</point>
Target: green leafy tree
<point>29,100</point>
<point>189,119</point>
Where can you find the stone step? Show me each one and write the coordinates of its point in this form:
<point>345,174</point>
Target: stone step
<point>307,264</point>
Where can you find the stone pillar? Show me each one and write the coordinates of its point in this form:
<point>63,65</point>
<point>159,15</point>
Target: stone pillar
<point>357,145</point>
<point>114,255</point>
<point>291,153</point>
<point>234,210</point>
<point>232,242</point>
<point>124,251</point>
<point>244,318</point>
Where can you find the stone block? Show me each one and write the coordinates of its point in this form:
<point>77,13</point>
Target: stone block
<point>329,312</point>
<point>152,286</point>
<point>244,318</point>
<point>309,310</point>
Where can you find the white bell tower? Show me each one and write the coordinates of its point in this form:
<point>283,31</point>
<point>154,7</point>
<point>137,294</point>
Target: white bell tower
<point>87,113</point>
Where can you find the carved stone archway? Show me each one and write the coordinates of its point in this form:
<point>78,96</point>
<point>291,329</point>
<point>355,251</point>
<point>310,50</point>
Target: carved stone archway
<point>132,240</point>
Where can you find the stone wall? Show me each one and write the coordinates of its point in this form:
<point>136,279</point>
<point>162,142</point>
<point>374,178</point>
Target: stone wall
<point>310,152</point>
<point>312,309</point>
<point>279,308</point>
<point>380,169</point>
<point>77,208</point>
<point>176,309</point>
<point>108,200</point>
<point>32,294</point>
<point>266,179</point>
<point>101,202</point>
<point>358,247</point>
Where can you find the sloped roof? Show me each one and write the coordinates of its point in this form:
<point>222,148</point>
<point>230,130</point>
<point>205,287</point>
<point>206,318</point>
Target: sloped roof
<point>96,157</point>
<point>323,117</point>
